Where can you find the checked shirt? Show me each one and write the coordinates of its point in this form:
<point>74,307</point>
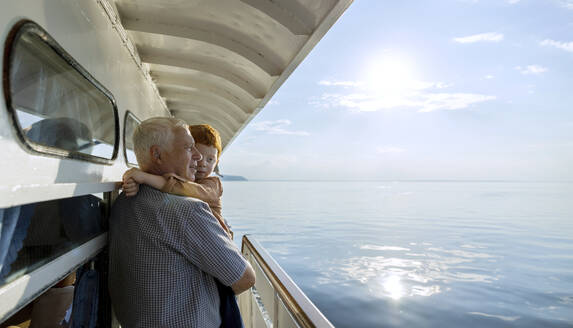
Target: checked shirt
<point>165,252</point>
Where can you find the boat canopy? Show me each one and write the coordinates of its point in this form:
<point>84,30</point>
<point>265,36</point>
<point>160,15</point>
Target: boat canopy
<point>220,61</point>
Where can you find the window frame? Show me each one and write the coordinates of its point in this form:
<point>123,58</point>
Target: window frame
<point>25,289</point>
<point>128,113</point>
<point>15,33</point>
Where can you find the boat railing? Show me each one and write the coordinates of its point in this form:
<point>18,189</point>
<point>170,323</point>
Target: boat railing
<point>275,300</point>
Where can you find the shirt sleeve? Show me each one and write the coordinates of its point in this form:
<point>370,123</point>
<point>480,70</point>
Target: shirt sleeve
<point>209,192</point>
<point>209,248</point>
<point>214,183</point>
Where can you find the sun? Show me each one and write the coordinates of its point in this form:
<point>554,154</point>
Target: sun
<point>391,76</point>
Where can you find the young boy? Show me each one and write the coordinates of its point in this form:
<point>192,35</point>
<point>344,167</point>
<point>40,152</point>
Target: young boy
<point>206,188</point>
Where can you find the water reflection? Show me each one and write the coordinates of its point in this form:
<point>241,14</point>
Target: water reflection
<point>384,248</point>
<point>508,257</point>
<point>500,317</point>
<point>393,287</point>
<point>566,300</point>
<point>400,273</point>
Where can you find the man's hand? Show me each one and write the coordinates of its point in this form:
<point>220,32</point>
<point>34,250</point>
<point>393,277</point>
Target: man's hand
<point>130,187</point>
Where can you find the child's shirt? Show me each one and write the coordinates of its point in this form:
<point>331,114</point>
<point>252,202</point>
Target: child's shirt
<point>208,190</point>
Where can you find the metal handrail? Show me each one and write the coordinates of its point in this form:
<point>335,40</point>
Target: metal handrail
<point>304,312</point>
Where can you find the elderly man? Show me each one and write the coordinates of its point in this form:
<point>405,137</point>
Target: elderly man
<point>166,250</point>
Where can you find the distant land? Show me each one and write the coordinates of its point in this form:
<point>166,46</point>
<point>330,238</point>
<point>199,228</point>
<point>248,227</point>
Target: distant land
<point>227,177</point>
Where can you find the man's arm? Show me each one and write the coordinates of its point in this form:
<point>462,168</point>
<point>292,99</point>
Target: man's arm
<point>247,281</point>
<point>207,246</point>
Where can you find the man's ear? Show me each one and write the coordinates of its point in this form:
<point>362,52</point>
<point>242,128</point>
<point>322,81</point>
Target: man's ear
<point>155,154</point>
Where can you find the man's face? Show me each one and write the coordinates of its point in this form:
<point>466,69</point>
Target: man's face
<point>182,157</point>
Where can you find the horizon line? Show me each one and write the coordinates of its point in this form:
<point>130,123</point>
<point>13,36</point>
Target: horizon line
<point>402,180</point>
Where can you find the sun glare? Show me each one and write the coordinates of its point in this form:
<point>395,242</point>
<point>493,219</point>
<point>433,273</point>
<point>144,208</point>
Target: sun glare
<point>393,287</point>
<point>391,75</point>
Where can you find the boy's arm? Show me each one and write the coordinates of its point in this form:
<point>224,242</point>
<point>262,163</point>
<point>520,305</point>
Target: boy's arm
<point>208,190</point>
<point>155,181</point>
<point>179,186</point>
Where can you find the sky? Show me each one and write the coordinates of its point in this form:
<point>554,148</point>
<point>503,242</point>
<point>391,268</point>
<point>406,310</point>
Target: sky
<point>416,90</point>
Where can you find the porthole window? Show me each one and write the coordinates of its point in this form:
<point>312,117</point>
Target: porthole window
<point>129,125</point>
<point>58,108</point>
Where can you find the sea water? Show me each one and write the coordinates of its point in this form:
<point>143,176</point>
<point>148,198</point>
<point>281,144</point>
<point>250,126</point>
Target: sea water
<point>418,254</point>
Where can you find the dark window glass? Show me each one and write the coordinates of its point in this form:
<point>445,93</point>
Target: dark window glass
<point>34,234</point>
<point>59,107</point>
<point>131,122</point>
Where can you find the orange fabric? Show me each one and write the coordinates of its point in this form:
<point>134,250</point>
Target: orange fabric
<point>208,190</point>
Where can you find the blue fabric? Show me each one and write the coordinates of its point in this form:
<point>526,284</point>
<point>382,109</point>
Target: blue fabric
<point>14,222</point>
<point>86,299</point>
<point>230,314</point>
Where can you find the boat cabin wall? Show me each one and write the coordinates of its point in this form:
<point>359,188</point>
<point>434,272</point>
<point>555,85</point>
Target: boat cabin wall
<point>86,32</point>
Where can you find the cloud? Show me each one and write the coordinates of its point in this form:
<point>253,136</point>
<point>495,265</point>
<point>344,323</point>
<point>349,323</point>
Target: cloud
<point>340,83</point>
<point>452,101</point>
<point>424,101</point>
<point>394,91</point>
<point>531,69</point>
<point>389,149</point>
<point>483,37</point>
<point>277,127</point>
<point>512,2</point>
<point>567,4</point>
<point>567,46</point>
<point>489,77</point>
<point>360,102</point>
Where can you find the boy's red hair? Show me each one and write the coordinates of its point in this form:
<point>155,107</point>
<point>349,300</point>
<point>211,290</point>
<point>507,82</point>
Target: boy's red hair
<point>206,135</point>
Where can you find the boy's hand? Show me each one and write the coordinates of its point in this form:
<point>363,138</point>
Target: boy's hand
<point>130,187</point>
<point>131,180</point>
<point>135,174</point>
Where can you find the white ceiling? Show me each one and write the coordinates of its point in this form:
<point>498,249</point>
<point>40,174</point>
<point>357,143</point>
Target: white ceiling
<point>220,61</point>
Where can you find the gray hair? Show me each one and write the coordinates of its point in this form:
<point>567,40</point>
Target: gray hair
<point>154,131</point>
